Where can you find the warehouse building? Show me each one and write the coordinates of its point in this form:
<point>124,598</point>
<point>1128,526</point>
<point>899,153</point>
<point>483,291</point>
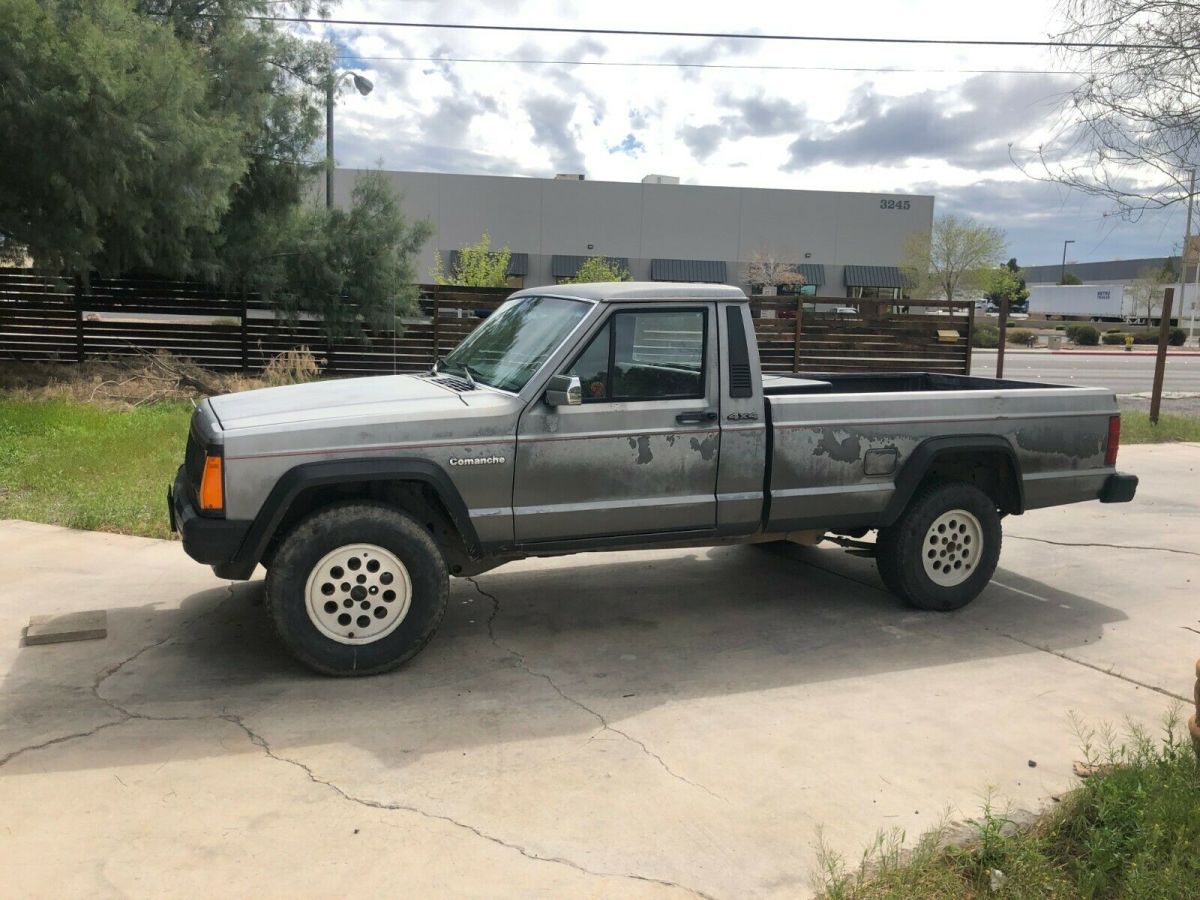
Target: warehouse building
<point>1109,272</point>
<point>844,244</point>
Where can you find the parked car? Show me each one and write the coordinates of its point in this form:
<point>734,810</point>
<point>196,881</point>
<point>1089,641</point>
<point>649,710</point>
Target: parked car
<point>604,417</point>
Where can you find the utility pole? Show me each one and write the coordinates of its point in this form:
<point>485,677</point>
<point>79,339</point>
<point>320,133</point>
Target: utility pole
<point>1187,236</point>
<point>1062,277</point>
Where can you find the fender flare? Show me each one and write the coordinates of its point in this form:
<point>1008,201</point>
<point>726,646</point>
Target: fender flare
<point>917,466</point>
<point>348,471</point>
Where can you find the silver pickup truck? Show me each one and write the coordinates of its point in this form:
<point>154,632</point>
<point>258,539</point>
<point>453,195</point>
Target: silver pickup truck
<point>613,416</point>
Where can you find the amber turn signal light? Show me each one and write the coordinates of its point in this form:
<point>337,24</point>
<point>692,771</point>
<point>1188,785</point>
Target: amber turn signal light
<point>212,485</point>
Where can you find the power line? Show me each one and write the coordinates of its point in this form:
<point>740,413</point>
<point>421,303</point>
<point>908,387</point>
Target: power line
<point>721,35</point>
<point>683,65</point>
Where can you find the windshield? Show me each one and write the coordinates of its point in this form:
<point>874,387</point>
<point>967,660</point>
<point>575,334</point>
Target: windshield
<point>513,343</point>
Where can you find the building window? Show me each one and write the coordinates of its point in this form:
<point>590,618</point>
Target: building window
<point>885,293</point>
<point>787,290</point>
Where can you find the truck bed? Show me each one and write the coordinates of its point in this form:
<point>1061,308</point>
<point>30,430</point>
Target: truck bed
<point>837,440</point>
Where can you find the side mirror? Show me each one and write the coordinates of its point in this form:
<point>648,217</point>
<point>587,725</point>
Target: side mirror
<point>564,390</point>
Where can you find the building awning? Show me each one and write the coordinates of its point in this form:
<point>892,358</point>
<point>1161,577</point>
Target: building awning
<point>518,264</point>
<point>875,277</point>
<point>814,273</point>
<point>568,266</point>
<point>711,271</point>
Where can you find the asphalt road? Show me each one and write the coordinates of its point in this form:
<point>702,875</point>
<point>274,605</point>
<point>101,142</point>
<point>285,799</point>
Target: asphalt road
<point>1124,373</point>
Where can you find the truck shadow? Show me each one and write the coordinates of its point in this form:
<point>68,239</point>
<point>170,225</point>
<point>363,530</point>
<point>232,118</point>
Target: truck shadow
<point>550,648</point>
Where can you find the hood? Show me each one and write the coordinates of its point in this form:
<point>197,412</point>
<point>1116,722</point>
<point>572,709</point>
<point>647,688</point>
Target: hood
<point>347,398</point>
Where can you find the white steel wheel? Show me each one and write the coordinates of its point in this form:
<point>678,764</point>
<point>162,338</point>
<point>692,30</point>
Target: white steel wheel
<point>953,547</point>
<point>358,594</point>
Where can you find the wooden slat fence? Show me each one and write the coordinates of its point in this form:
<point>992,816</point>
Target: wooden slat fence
<point>880,336</point>
<point>44,318</point>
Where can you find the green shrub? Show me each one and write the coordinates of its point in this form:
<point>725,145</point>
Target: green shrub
<point>1022,336</point>
<point>1177,337</point>
<point>1060,327</point>
<point>1083,335</point>
<point>985,335</point>
<point>1114,338</point>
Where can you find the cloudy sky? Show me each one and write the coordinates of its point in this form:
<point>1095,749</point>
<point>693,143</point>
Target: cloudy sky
<point>831,116</point>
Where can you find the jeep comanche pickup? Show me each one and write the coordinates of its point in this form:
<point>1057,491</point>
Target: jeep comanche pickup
<point>613,416</point>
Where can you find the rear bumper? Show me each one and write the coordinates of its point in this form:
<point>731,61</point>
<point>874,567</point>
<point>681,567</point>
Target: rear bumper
<point>214,542</point>
<point>1118,488</point>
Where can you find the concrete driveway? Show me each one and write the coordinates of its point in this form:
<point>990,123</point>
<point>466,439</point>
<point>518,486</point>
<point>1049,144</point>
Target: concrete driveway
<point>640,724</point>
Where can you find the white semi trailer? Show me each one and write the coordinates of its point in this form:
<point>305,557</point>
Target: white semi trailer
<point>1093,302</point>
<point>1077,301</point>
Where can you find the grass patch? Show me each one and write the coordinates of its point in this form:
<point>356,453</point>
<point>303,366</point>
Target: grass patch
<point>89,466</point>
<point>1136,428</point>
<point>1131,830</point>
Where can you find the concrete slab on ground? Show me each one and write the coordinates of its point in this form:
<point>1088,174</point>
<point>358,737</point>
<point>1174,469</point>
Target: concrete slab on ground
<point>651,724</point>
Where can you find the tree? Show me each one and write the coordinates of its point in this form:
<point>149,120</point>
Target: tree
<point>348,267</point>
<point>1005,283</point>
<point>1131,130</point>
<point>476,265</point>
<point>956,256</point>
<point>768,270</point>
<point>156,134</point>
<point>599,268</point>
<point>107,165</point>
<point>1146,291</point>
<point>1071,278</point>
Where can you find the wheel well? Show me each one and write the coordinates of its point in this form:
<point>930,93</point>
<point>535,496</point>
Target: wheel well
<point>416,498</point>
<point>989,470</point>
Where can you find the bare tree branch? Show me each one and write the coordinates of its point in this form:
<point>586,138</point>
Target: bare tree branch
<point>1131,130</point>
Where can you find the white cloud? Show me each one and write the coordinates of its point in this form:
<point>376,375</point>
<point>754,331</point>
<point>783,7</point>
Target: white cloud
<point>944,132</point>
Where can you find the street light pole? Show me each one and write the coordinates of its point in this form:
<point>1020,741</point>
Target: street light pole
<point>364,87</point>
<point>1062,278</point>
<point>329,83</point>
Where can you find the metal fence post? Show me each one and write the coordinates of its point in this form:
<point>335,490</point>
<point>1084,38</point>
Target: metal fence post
<point>797,332</point>
<point>970,333</point>
<point>79,351</point>
<point>245,332</point>
<point>1003,337</point>
<point>437,316</point>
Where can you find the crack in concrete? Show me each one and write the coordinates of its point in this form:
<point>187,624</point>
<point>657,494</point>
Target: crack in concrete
<point>125,715</point>
<point>604,723</point>
<point>1100,669</point>
<point>259,741</point>
<point>1021,537</point>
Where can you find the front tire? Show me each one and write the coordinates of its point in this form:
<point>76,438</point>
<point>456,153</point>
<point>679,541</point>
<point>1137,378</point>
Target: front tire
<point>357,589</point>
<point>942,551</point>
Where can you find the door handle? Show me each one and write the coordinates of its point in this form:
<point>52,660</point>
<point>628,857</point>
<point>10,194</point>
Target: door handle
<point>695,418</point>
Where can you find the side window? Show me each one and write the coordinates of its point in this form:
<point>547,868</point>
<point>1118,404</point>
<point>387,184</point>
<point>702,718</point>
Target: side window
<point>658,355</point>
<point>645,355</point>
<point>592,367</point>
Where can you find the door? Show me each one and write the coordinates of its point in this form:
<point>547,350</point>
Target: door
<point>639,454</point>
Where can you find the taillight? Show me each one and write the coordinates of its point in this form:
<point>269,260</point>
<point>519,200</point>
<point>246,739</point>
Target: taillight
<point>1114,440</point>
<point>212,485</point>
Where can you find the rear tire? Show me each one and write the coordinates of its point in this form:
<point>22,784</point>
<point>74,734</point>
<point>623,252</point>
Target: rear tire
<point>942,551</point>
<point>357,589</point>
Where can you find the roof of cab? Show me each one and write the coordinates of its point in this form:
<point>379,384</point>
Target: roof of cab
<point>637,290</point>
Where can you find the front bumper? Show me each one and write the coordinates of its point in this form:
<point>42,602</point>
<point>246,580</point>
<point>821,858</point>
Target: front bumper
<point>1118,488</point>
<point>214,542</point>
